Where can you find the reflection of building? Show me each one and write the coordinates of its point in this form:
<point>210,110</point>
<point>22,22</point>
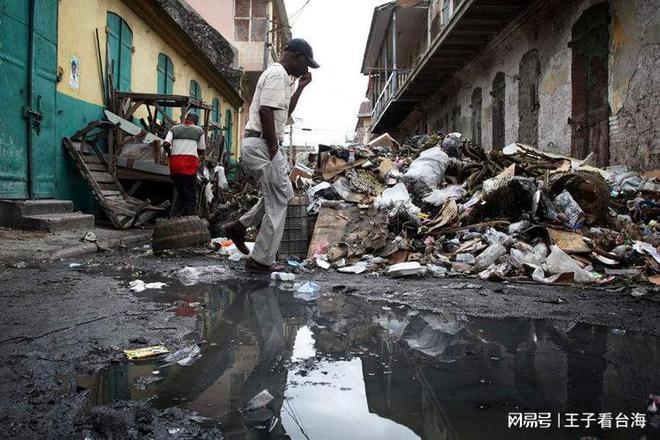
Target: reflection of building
<point>574,77</point>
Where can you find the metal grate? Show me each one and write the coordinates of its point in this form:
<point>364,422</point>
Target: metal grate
<point>295,240</point>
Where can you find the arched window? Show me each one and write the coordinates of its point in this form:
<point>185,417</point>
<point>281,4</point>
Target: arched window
<point>229,123</point>
<point>165,72</point>
<point>195,90</point>
<point>120,51</point>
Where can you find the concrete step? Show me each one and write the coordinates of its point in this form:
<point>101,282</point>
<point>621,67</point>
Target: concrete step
<point>70,221</point>
<point>40,207</point>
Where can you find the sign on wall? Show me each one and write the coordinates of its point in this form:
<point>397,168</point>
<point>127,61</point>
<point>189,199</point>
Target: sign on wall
<point>74,76</point>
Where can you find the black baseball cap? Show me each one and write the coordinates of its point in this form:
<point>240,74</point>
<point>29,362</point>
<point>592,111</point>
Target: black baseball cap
<point>302,47</point>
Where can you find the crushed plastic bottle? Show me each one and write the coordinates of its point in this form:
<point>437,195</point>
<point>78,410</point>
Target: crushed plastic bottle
<point>308,291</point>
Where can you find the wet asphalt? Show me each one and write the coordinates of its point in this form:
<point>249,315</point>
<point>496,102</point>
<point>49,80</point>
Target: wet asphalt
<point>370,357</point>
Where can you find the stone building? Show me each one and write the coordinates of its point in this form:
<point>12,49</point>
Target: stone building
<point>363,125</point>
<point>574,77</point>
<point>259,29</point>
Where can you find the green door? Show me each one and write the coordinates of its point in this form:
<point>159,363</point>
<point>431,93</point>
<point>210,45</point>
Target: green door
<point>28,66</point>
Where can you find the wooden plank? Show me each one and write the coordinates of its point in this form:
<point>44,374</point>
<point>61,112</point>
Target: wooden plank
<point>109,193</point>
<point>102,177</point>
<point>96,167</point>
<point>109,186</point>
<point>91,158</point>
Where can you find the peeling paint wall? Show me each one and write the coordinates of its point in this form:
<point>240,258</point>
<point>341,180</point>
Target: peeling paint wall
<point>634,80</point>
<point>635,83</point>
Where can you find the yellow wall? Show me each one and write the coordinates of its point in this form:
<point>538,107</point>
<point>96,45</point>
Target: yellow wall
<point>78,21</point>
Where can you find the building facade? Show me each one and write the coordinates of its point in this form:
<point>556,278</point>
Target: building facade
<point>363,126</point>
<point>570,77</point>
<point>52,79</point>
<point>259,29</point>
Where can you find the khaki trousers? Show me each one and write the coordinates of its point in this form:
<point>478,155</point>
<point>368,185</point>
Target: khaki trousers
<point>276,191</point>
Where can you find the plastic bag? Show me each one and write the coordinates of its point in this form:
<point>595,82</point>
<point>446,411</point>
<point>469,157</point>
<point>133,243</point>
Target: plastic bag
<point>438,197</point>
<point>560,262</point>
<point>393,196</point>
<point>569,207</point>
<point>221,177</point>
<point>429,167</point>
<point>489,256</point>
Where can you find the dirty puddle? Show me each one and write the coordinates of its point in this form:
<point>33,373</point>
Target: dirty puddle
<point>342,368</point>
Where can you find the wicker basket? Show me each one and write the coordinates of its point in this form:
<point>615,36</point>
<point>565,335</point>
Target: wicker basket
<point>178,233</point>
<point>295,240</point>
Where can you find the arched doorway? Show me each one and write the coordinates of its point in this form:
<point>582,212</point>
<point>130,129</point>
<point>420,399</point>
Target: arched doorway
<point>589,75</point>
<point>499,95</point>
<point>528,98</point>
<point>476,105</point>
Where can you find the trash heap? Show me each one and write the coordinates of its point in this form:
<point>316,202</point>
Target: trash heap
<point>440,205</point>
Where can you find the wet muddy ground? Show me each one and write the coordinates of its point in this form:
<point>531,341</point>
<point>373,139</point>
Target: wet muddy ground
<point>370,358</point>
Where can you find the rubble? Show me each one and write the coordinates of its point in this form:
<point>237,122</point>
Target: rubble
<point>441,206</point>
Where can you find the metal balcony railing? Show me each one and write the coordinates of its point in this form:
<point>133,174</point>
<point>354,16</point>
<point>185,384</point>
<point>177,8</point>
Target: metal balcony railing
<point>396,79</point>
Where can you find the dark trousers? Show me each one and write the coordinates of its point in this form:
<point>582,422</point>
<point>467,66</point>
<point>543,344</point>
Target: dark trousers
<point>186,187</point>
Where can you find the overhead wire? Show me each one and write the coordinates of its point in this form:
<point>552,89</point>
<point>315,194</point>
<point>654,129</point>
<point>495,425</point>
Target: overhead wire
<point>290,18</point>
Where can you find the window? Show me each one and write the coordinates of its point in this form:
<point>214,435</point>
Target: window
<point>215,110</point>
<point>446,12</point>
<point>250,20</point>
<point>195,90</point>
<point>120,51</point>
<point>165,78</point>
<point>229,122</point>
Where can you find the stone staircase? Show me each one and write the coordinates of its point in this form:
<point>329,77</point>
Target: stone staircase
<point>43,215</point>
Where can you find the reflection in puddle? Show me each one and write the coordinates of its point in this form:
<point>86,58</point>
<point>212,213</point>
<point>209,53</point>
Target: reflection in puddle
<point>341,368</point>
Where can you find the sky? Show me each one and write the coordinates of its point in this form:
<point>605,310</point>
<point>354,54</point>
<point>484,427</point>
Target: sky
<point>337,31</point>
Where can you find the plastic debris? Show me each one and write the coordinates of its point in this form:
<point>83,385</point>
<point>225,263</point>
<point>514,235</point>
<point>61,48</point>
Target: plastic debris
<point>261,400</point>
<point>184,357</point>
<point>282,276</point>
<point>559,262</point>
<point>489,256</point>
<point>140,286</point>
<point>308,291</point>
<point>437,271</point>
<point>406,269</point>
<point>428,168</point>
<point>189,276</point>
<point>574,216</point>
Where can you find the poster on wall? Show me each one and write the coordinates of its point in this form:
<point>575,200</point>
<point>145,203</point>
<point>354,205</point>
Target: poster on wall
<point>74,77</point>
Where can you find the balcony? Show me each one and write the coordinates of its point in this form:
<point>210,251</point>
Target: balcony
<point>473,25</point>
<point>391,87</point>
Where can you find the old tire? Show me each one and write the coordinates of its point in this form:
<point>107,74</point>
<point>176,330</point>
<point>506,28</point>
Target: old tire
<point>178,233</point>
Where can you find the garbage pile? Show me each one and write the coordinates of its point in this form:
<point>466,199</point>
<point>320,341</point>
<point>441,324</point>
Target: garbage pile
<point>441,206</point>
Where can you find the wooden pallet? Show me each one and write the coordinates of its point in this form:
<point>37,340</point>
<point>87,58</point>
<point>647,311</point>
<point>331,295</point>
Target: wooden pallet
<point>123,210</point>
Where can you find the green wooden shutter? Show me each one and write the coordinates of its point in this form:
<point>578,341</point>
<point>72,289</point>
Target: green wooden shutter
<point>229,122</point>
<point>165,72</point>
<point>215,110</point>
<point>195,90</point>
<point>120,51</point>
<point>126,57</point>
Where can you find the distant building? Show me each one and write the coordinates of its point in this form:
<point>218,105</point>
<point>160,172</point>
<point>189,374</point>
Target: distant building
<point>51,83</point>
<point>574,77</point>
<point>363,126</point>
<point>259,29</point>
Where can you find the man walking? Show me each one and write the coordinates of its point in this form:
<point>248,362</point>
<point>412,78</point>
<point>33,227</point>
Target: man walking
<point>262,154</point>
<point>186,145</point>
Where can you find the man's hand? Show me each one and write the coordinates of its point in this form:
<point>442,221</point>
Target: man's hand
<point>305,80</point>
<point>272,152</point>
<point>167,147</point>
